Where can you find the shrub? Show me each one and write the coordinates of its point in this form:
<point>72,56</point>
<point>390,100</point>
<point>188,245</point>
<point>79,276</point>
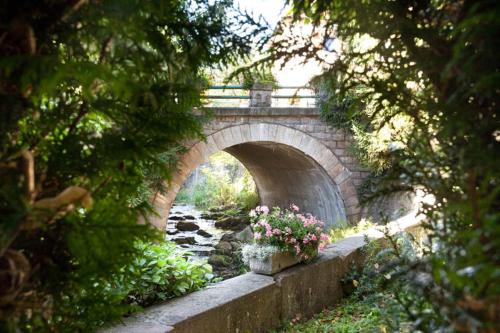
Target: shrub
<point>183,196</point>
<point>157,272</point>
<point>247,199</point>
<point>160,272</point>
<point>223,182</point>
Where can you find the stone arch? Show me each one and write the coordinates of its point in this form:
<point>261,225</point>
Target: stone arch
<point>269,133</point>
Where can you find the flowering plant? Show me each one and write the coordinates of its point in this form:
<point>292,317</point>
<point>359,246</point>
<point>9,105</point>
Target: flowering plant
<point>289,230</point>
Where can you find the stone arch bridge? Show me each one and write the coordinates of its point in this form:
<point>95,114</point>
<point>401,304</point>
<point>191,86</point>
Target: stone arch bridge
<point>292,155</point>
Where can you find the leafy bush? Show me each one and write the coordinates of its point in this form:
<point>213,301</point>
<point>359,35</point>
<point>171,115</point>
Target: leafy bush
<point>253,75</point>
<point>183,196</point>
<point>223,182</point>
<point>156,272</point>
<point>288,230</point>
<point>161,272</point>
<point>247,199</point>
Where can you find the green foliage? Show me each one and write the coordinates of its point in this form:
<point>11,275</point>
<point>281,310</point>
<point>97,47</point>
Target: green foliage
<point>157,272</point>
<point>160,272</point>
<point>95,98</point>
<point>341,232</point>
<point>261,75</point>
<point>416,84</point>
<point>183,196</point>
<point>247,199</point>
<point>223,182</point>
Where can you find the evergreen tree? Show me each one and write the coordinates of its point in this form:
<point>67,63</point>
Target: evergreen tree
<point>416,83</point>
<point>95,98</point>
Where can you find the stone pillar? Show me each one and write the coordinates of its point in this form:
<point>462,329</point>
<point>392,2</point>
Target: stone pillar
<point>260,95</point>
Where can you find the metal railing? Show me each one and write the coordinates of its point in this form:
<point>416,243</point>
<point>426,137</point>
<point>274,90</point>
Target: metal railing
<point>235,92</point>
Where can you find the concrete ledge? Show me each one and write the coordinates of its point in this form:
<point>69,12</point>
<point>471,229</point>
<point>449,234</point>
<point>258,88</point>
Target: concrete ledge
<point>308,289</point>
<point>246,303</point>
<point>258,303</point>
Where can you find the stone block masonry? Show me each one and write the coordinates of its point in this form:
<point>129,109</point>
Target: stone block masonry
<point>293,156</point>
<point>253,303</point>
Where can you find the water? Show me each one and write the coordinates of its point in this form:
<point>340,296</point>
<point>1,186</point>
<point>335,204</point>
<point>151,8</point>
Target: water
<point>204,245</point>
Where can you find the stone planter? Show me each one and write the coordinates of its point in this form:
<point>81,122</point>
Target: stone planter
<point>260,95</point>
<point>273,264</point>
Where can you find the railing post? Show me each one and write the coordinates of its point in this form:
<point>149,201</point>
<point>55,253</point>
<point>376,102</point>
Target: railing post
<point>260,95</point>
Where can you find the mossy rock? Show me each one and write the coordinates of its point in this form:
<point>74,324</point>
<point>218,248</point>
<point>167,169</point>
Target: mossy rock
<point>219,260</point>
<point>186,226</point>
<point>224,248</point>
<point>232,223</point>
<point>185,240</point>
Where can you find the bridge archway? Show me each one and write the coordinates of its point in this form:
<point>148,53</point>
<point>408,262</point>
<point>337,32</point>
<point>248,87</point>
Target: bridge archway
<point>288,166</point>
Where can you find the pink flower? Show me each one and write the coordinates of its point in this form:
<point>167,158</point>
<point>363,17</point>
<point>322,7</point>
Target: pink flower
<point>288,230</point>
<point>265,224</point>
<point>297,249</point>
<point>293,241</point>
<point>294,207</point>
<point>264,210</point>
<point>313,237</point>
<point>257,235</point>
<point>269,233</point>
<point>277,231</point>
<point>324,238</point>
<point>305,240</point>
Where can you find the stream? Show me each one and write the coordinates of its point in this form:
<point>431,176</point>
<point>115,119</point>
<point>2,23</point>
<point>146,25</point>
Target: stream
<point>193,241</point>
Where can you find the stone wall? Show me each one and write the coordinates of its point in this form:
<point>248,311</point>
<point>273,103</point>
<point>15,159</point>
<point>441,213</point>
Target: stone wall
<point>257,303</point>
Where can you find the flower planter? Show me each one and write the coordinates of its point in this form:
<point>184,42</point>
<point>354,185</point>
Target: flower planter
<point>282,238</point>
<point>273,264</point>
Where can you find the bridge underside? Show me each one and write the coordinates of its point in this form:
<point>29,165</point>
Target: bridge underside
<point>285,175</point>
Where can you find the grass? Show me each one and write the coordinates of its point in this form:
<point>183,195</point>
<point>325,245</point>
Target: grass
<point>351,316</point>
<point>339,233</point>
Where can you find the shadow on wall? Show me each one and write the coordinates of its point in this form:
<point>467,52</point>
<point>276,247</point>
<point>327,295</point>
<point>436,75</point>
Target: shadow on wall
<point>285,175</point>
<point>391,207</point>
